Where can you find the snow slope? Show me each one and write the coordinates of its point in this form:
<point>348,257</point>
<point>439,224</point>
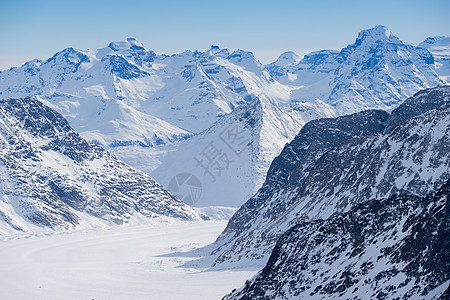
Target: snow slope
<point>231,158</point>
<point>242,178</point>
<point>51,178</point>
<point>125,94</point>
<point>145,107</point>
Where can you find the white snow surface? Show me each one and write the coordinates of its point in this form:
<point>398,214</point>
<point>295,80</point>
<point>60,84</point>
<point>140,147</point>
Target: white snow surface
<point>143,261</point>
<point>261,130</point>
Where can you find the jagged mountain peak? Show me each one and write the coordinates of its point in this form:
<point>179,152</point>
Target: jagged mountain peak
<point>127,97</point>
<point>70,55</point>
<point>247,60</point>
<point>239,55</point>
<point>374,34</point>
<point>287,58</point>
<point>200,87</point>
<point>126,44</point>
<point>378,71</point>
<point>215,50</point>
<point>130,49</point>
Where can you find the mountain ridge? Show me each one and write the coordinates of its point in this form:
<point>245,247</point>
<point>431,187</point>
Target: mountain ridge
<point>377,71</point>
<point>389,249</point>
<point>51,178</point>
<point>308,183</point>
<point>143,106</point>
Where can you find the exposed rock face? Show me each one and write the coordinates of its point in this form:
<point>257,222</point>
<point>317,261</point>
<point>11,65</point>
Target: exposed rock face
<point>141,105</point>
<point>422,101</point>
<point>50,176</point>
<point>334,164</point>
<point>395,248</point>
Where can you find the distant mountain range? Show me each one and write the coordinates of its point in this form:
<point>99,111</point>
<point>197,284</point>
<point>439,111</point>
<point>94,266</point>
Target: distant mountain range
<point>125,94</point>
<point>378,71</point>
<point>152,110</point>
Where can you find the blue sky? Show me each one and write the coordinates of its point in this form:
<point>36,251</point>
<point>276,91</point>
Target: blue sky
<point>38,29</point>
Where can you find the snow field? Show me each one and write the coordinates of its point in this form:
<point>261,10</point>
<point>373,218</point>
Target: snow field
<point>125,262</point>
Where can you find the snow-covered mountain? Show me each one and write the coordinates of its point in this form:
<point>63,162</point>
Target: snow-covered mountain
<point>334,163</point>
<point>439,46</point>
<point>394,248</point>
<point>378,71</point>
<point>281,66</point>
<point>50,177</point>
<point>234,187</point>
<point>125,94</point>
<point>231,158</point>
<point>145,107</point>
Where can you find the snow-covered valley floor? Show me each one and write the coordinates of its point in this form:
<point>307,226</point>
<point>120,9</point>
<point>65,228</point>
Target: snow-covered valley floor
<point>126,262</point>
